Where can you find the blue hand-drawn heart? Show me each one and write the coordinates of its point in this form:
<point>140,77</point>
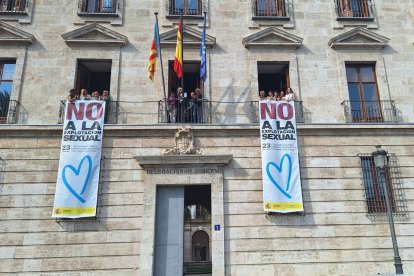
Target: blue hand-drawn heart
<point>279,169</point>
<point>77,172</point>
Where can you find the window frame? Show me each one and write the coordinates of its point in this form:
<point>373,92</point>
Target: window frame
<point>4,116</point>
<point>99,11</point>
<point>345,10</point>
<point>171,8</point>
<point>363,103</point>
<point>2,63</point>
<point>285,10</point>
<point>22,10</point>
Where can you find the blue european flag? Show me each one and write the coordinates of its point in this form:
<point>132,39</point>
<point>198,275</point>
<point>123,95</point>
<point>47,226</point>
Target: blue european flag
<point>203,65</point>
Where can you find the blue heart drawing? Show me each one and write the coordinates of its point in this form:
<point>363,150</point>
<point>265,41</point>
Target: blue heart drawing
<point>77,172</point>
<point>279,169</point>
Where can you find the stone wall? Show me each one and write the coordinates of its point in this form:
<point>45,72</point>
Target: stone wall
<point>334,237</point>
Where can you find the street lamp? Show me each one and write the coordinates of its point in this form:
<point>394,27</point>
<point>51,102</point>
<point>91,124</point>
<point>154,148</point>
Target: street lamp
<point>381,163</point>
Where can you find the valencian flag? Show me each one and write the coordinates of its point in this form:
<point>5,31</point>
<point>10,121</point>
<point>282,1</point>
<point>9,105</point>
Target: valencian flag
<point>154,53</point>
<point>178,61</point>
<point>203,65</point>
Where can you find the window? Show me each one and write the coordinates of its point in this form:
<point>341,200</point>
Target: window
<point>93,75</point>
<point>12,6</point>
<point>270,8</point>
<point>190,107</point>
<point>373,186</point>
<point>98,6</point>
<point>273,76</point>
<point>364,101</point>
<point>189,7</point>
<point>353,9</point>
<point>191,72</point>
<point>7,69</point>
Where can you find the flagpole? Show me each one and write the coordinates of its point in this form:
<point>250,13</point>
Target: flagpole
<point>162,68</point>
<point>205,54</point>
<point>204,92</point>
<point>182,49</point>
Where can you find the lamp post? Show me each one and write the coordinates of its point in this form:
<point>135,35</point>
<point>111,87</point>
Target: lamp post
<point>381,163</point>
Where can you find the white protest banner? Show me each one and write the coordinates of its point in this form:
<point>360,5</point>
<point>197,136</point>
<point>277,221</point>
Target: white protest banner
<point>282,190</point>
<point>80,157</point>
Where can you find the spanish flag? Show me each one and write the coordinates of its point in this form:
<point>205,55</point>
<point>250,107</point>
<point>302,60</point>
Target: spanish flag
<point>154,53</point>
<point>178,61</point>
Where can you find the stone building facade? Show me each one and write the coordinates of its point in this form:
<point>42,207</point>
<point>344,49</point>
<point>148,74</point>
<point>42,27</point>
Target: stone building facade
<point>349,62</point>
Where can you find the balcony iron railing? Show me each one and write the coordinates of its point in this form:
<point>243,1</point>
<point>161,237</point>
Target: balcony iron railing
<point>98,7</point>
<point>354,9</point>
<point>190,8</point>
<point>370,111</point>
<point>184,111</point>
<point>269,9</point>
<point>13,6</point>
<point>299,114</point>
<point>8,111</point>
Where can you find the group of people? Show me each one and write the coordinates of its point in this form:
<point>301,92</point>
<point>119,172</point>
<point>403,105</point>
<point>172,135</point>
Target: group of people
<point>289,95</point>
<point>182,109</point>
<point>84,95</point>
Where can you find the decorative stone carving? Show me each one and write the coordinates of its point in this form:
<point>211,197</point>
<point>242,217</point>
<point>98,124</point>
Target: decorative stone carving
<point>359,38</point>
<point>184,143</point>
<point>10,35</point>
<point>191,37</point>
<point>274,38</point>
<point>95,35</point>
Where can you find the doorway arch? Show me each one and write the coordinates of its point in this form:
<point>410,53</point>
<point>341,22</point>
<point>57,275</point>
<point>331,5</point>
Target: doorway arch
<point>200,246</point>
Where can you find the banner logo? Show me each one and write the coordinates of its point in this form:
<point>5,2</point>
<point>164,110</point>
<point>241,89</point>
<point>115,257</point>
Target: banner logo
<point>279,169</point>
<point>77,172</point>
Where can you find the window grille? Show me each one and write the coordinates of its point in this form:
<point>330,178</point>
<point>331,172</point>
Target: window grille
<point>270,8</point>
<point>352,9</point>
<point>98,6</point>
<point>373,186</point>
<point>189,7</point>
<point>13,6</point>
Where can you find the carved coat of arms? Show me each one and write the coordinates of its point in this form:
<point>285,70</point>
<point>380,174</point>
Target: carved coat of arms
<point>184,143</point>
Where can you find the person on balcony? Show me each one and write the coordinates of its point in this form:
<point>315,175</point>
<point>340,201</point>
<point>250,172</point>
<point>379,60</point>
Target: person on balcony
<point>96,96</point>
<point>270,96</point>
<point>199,105</point>
<point>191,113</point>
<point>262,95</point>
<point>84,95</point>
<point>181,104</point>
<point>172,107</point>
<point>277,96</point>
<point>282,96</point>
<point>72,95</point>
<point>107,98</point>
<point>290,95</point>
